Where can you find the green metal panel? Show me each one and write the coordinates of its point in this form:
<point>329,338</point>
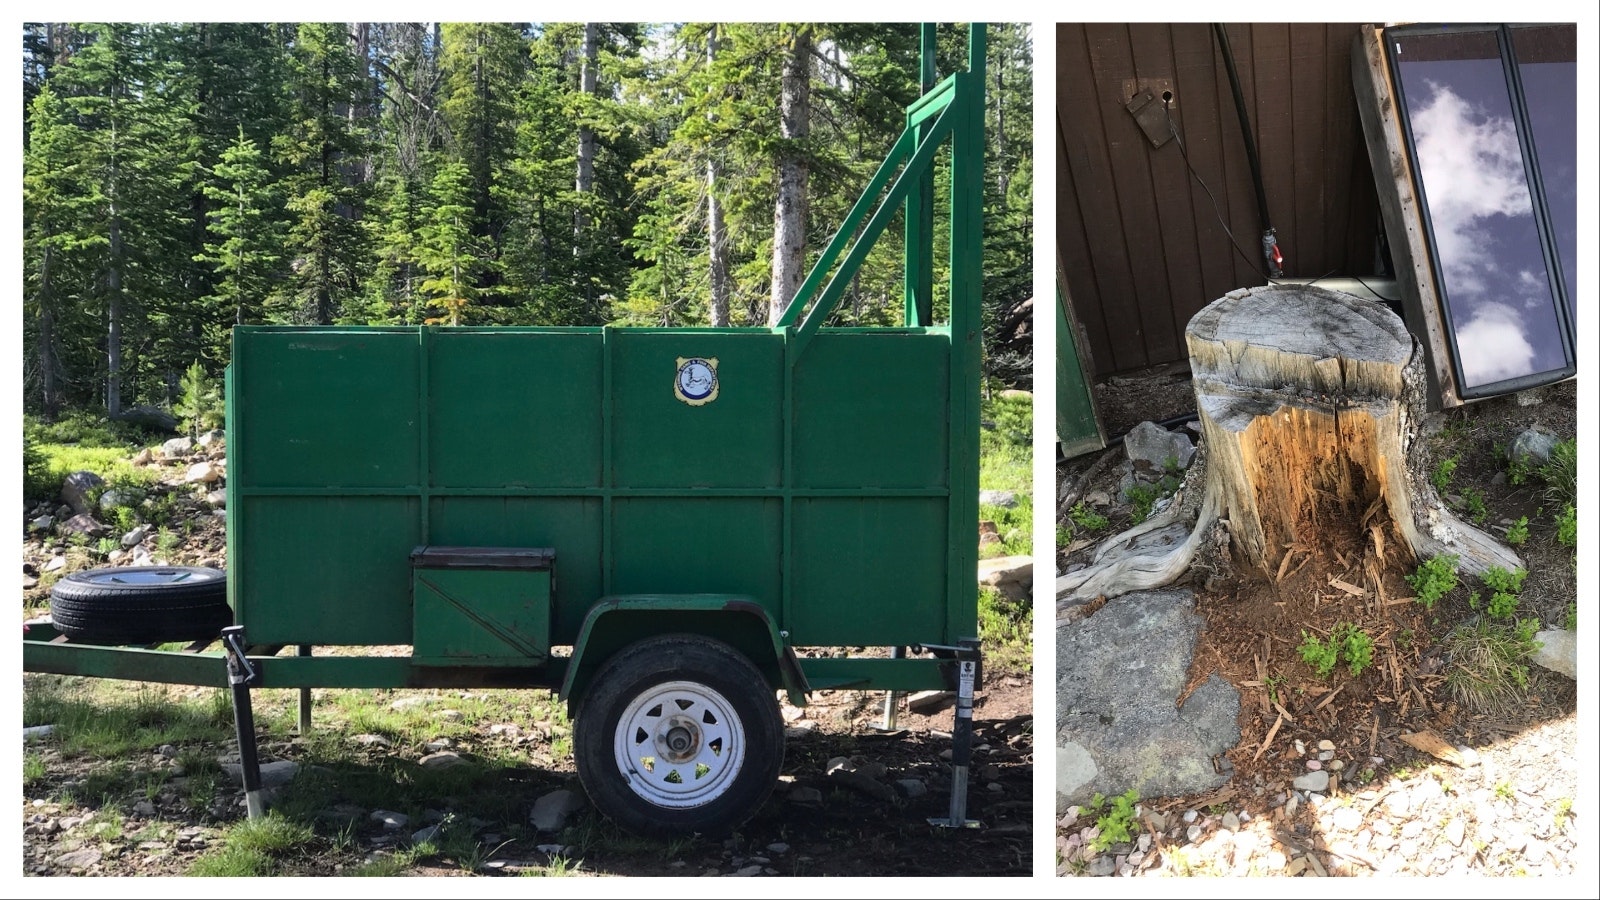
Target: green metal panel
<point>325,570</point>
<point>868,571</point>
<point>871,409</point>
<point>481,616</point>
<point>662,441</point>
<point>339,407</point>
<point>693,545</point>
<point>514,408</point>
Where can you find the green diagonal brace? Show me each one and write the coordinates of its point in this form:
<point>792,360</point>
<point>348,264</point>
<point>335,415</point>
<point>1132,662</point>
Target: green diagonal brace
<point>908,179</point>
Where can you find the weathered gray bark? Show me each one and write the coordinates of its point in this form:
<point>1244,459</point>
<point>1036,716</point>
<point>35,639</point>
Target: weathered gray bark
<point>49,391</point>
<point>789,215</point>
<point>717,231</point>
<point>1309,404</point>
<point>587,81</point>
<point>114,293</point>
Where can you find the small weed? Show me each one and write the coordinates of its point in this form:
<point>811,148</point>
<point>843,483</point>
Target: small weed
<point>1088,519</point>
<point>1563,813</point>
<point>1504,587</point>
<point>1443,473</point>
<point>1503,790</point>
<point>1560,473</point>
<point>1569,620</point>
<point>1143,498</point>
<point>1433,579</point>
<point>1116,823</point>
<point>1517,532</point>
<point>1567,526</point>
<point>1476,507</point>
<point>1272,687</point>
<point>33,769</point>
<point>1345,641</point>
<point>166,542</point>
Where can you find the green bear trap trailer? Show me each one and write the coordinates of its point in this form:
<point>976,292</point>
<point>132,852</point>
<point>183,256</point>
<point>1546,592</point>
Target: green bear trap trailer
<point>655,522</point>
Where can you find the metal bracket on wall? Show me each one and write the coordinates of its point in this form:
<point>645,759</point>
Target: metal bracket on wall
<point>1151,113</point>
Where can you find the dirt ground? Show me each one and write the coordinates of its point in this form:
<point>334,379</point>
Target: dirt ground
<point>1254,624</point>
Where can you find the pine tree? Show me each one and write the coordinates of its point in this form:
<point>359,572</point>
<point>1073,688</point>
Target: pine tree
<point>245,245</point>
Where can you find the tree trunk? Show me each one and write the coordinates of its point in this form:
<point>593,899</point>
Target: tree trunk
<point>49,391</point>
<point>717,232</point>
<point>1309,402</point>
<point>789,215</point>
<point>114,305</point>
<point>587,81</point>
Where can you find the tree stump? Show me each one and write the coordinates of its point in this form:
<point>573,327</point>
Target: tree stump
<point>1309,403</point>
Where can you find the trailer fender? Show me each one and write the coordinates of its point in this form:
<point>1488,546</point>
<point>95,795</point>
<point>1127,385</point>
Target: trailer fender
<point>616,622</point>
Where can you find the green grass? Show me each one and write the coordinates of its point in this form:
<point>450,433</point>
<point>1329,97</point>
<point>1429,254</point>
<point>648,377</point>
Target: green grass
<point>1005,463</point>
<point>250,847</point>
<point>1006,629</point>
<point>1488,671</point>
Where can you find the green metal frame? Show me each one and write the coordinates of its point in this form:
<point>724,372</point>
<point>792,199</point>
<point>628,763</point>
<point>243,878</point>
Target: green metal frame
<point>763,623</point>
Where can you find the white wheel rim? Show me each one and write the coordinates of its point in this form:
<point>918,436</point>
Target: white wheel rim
<point>135,575</point>
<point>679,745</point>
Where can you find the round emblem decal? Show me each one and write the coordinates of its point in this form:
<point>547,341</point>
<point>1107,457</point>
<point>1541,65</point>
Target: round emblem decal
<point>696,381</point>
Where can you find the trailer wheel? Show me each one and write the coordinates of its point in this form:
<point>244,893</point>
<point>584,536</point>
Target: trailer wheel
<point>141,604</point>
<point>679,734</point>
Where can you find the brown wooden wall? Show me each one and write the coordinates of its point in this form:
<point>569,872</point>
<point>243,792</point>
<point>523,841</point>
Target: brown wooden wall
<point>1140,241</point>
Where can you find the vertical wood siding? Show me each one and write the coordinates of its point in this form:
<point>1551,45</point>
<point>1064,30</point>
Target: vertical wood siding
<point>1140,240</point>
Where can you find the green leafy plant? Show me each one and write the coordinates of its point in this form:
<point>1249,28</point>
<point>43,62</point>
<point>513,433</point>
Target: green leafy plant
<point>1567,526</point>
<point>166,542</point>
<point>1087,518</point>
<point>1443,473</point>
<point>1488,670</point>
<point>1474,504</point>
<point>1504,587</point>
<point>1517,532</point>
<point>1115,824</point>
<point>1433,579</point>
<point>1346,641</point>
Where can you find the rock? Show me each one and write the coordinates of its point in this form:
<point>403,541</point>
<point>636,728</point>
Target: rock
<point>1102,866</point>
<point>116,556</point>
<point>217,499</point>
<point>1098,499</point>
<point>78,859</point>
<point>1533,446</point>
<point>43,523</point>
<point>136,536</point>
<point>208,438</point>
<point>1012,576</point>
<point>1015,393</point>
<point>1559,652</point>
<point>860,783</point>
<point>392,821</point>
<point>449,715</point>
<point>83,523</point>
<point>551,811</point>
<point>504,729</point>
<point>1152,449</point>
<point>422,836</point>
<point>777,848</point>
<point>177,447</point>
<point>1002,499</point>
<point>1312,781</point>
<point>152,417</point>
<point>803,728</point>
<point>144,808</point>
<point>141,556</point>
<point>56,564</point>
<point>1119,673</point>
<point>1325,745</point>
<point>203,473</point>
<point>29,582</point>
<point>927,703</point>
<point>1346,818</point>
<point>1230,821</point>
<point>76,488</point>
<point>273,774</point>
<point>910,788</point>
<point>805,795</point>
<point>405,703</point>
<point>63,511</point>
<point>442,760</point>
<point>144,457</point>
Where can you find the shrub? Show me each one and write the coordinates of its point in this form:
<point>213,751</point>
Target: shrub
<point>1443,473</point>
<point>200,406</point>
<point>1087,519</point>
<point>1517,533</point>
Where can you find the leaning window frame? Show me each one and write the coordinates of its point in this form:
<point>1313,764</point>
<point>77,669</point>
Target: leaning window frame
<point>1536,190</point>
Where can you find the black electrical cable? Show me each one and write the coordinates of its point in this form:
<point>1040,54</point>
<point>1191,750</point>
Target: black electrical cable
<point>1244,125</point>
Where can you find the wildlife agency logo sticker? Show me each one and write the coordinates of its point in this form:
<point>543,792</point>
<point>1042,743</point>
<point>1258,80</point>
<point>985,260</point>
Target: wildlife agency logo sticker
<point>696,382</point>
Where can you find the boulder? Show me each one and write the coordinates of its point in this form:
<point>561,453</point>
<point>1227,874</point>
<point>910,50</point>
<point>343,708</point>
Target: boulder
<point>1558,651</point>
<point>83,524</point>
<point>1533,446</point>
<point>177,447</point>
<point>76,489</point>
<point>1152,449</point>
<point>203,473</point>
<point>152,417</point>
<point>551,811</point>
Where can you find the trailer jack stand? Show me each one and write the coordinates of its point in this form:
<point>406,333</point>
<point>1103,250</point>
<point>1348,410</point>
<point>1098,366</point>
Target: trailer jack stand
<point>241,674</point>
<point>961,737</point>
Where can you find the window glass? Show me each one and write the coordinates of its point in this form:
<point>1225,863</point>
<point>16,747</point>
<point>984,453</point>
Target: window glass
<point>1547,59</point>
<point>1492,273</point>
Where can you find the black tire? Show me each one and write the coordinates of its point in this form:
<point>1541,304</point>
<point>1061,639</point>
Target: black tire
<point>141,604</point>
<point>722,736</point>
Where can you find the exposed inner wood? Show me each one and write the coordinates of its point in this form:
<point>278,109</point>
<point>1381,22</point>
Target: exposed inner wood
<point>1309,402</point>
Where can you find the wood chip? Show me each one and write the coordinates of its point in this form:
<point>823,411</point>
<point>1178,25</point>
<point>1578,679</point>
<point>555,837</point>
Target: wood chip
<point>1434,745</point>
<point>1283,566</point>
<point>1271,733</point>
<point>1377,542</point>
<point>1347,587</point>
<point>1372,743</point>
<point>1328,699</point>
<point>1283,712</point>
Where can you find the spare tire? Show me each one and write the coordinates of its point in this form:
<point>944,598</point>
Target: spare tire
<point>141,604</point>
